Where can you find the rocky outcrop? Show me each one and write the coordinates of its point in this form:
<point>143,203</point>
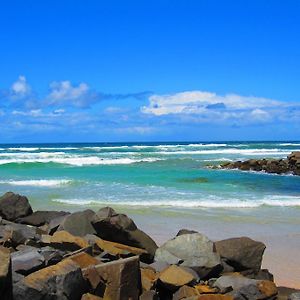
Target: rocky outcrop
<point>278,166</point>
<point>60,259</point>
<point>14,206</point>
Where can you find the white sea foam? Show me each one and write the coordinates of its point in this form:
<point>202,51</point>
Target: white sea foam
<point>78,160</point>
<point>281,201</point>
<point>40,182</point>
<point>289,144</point>
<point>23,149</point>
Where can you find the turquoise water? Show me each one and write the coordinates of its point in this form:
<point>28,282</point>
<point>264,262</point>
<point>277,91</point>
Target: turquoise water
<point>147,176</point>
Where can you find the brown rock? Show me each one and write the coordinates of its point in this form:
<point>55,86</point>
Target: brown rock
<point>212,297</point>
<point>174,277</point>
<point>62,281</point>
<point>5,274</point>
<point>115,280</point>
<point>205,289</point>
<point>84,260</point>
<point>267,288</point>
<point>66,241</point>
<point>89,296</point>
<point>185,292</point>
<point>114,248</point>
<point>149,295</point>
<point>148,278</point>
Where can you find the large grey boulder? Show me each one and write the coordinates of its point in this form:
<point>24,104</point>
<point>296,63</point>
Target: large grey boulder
<point>78,223</point>
<point>121,229</point>
<point>241,253</point>
<point>39,218</point>
<point>193,250</point>
<point>14,206</point>
<point>63,281</point>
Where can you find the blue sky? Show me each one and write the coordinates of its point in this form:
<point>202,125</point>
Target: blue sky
<point>79,71</point>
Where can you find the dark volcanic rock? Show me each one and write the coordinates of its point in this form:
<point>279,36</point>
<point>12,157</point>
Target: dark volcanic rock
<point>121,229</point>
<point>78,223</point>
<point>277,166</point>
<point>241,253</point>
<point>39,218</point>
<point>62,281</point>
<point>185,231</point>
<point>14,206</point>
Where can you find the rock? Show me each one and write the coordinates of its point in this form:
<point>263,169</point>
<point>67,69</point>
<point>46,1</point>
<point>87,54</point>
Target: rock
<point>66,241</point>
<point>105,212</point>
<point>5,274</point>
<point>175,277</point>
<point>14,206</point>
<point>21,234</point>
<point>27,261</point>
<point>212,297</point>
<point>241,253</point>
<point>285,293</point>
<point>121,229</point>
<point>205,289</point>
<point>185,292</point>
<point>158,266</point>
<point>78,223</point>
<point>185,231</point>
<point>113,248</point>
<point>148,279</point>
<point>192,250</point>
<point>149,295</point>
<point>89,296</point>
<point>84,260</point>
<point>39,218</point>
<point>116,280</point>
<point>233,281</point>
<point>62,281</point>
<point>294,296</point>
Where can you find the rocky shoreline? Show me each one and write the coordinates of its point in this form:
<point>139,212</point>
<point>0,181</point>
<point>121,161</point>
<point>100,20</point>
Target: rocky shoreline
<point>290,165</point>
<point>57,255</point>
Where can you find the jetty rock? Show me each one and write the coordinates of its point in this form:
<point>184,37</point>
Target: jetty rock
<point>276,166</point>
<point>47,255</point>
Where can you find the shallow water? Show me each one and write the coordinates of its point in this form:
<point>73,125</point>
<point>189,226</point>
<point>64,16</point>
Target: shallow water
<point>170,176</point>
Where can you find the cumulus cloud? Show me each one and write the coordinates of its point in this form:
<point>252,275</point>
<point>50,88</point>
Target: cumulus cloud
<point>64,93</point>
<point>20,88</point>
<point>200,106</point>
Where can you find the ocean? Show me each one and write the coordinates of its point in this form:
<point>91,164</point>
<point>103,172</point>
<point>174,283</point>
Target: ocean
<point>146,175</point>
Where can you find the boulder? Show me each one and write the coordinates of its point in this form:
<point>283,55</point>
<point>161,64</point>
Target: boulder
<point>112,248</point>
<point>241,253</point>
<point>84,260</point>
<point>14,206</point>
<point>39,218</point>
<point>105,212</point>
<point>191,250</point>
<point>294,296</point>
<point>174,277</point>
<point>78,223</point>
<point>65,241</point>
<point>89,296</point>
<point>205,289</point>
<point>27,261</point>
<point>116,280</point>
<point>185,292</point>
<point>5,274</point>
<point>148,279</point>
<point>185,231</point>
<point>212,297</point>
<point>121,229</point>
<point>62,281</point>
<point>149,295</point>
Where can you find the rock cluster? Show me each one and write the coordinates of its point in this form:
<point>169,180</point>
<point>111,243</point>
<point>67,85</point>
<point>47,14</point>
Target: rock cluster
<point>278,166</point>
<point>85,255</point>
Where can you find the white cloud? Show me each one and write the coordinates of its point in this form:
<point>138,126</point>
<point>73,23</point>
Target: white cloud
<point>63,92</point>
<point>36,113</point>
<point>199,102</point>
<point>20,87</point>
